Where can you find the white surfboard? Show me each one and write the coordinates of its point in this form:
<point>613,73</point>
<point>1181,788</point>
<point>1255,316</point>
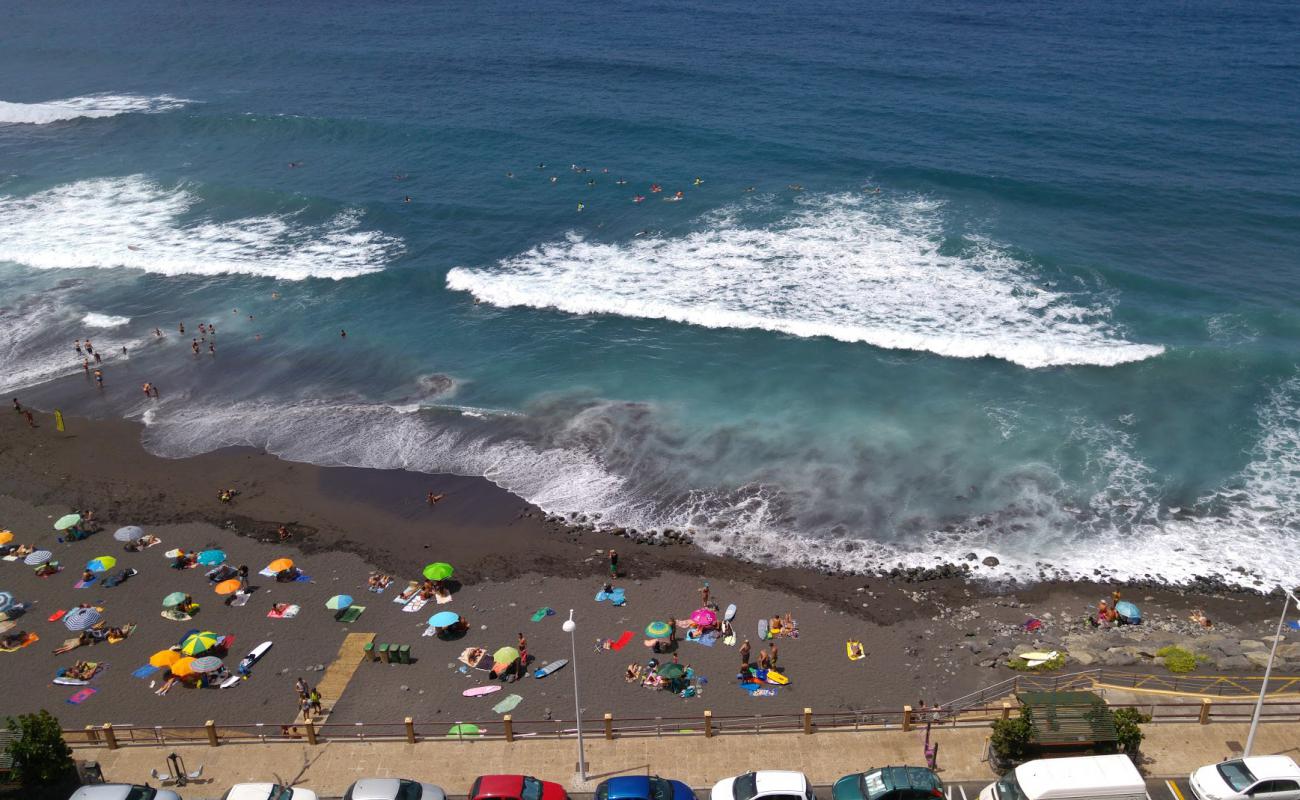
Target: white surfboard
<point>730,613</point>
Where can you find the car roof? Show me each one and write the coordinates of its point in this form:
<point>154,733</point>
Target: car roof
<point>768,781</point>
<point>907,777</point>
<point>628,786</point>
<point>507,785</point>
<point>375,789</point>
<point>1269,767</point>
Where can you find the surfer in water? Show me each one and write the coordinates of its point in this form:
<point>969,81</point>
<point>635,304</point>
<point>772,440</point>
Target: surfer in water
<point>639,199</point>
<point>698,181</point>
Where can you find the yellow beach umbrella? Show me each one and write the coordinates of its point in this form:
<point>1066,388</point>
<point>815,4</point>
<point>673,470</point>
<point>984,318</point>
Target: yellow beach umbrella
<point>6,537</point>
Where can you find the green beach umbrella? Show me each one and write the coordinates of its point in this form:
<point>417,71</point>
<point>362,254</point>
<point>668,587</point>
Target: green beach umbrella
<point>174,599</point>
<point>67,521</point>
<point>671,671</point>
<point>338,602</point>
<point>658,629</point>
<point>505,655</point>
<point>200,642</point>
<point>101,564</point>
<point>461,729</point>
<point>438,571</point>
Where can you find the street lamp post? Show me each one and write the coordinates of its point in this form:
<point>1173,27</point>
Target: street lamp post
<point>570,627</point>
<point>1287,597</point>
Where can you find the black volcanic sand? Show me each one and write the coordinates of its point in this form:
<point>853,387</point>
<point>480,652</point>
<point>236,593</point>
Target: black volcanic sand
<point>510,561</point>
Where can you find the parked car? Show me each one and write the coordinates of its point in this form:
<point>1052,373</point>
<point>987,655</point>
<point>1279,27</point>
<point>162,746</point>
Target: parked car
<point>515,787</point>
<point>393,789</point>
<point>889,783</point>
<point>266,791</point>
<point>772,784</point>
<point>1080,778</point>
<point>122,791</point>
<point>1258,777</point>
<point>643,787</point>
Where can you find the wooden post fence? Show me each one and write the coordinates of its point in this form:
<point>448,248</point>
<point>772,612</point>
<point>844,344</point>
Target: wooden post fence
<point>907,718</point>
<point>609,726</point>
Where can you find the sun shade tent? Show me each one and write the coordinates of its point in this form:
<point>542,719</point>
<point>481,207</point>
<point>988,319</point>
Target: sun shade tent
<point>1068,721</point>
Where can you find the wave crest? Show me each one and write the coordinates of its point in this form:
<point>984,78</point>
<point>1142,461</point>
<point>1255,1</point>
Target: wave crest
<point>843,267</point>
<point>87,106</point>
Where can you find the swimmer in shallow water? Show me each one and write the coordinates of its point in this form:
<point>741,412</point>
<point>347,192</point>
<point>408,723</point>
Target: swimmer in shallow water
<point>639,199</point>
<point>698,181</point>
<point>749,188</point>
<point>554,179</point>
<point>620,182</point>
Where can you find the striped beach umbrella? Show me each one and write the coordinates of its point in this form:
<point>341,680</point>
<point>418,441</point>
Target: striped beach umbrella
<point>67,521</point>
<point>101,564</point>
<point>444,618</point>
<point>6,601</point>
<point>6,537</point>
<point>128,534</point>
<point>280,565</point>
<point>227,587</point>
<point>200,642</point>
<point>438,571</point>
<point>35,559</point>
<point>79,619</point>
<point>658,629</point>
<point>206,664</point>
<point>174,599</point>
<point>338,602</point>
<point>210,558</point>
<point>164,658</point>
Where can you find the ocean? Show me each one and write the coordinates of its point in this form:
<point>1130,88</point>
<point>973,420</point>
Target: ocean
<point>1017,280</point>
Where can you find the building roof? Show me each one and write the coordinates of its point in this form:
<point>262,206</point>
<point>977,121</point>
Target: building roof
<point>1064,718</point>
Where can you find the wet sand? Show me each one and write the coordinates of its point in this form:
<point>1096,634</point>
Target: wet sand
<point>925,640</point>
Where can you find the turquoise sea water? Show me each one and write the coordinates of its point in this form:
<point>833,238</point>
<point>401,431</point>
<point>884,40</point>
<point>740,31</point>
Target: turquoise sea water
<point>1065,330</point>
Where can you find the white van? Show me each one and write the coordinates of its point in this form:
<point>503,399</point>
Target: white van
<point>1082,778</point>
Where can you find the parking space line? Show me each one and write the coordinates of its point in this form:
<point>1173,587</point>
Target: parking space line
<point>1173,790</point>
<point>962,789</point>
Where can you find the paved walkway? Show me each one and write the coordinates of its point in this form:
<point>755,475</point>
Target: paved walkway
<point>1172,750</point>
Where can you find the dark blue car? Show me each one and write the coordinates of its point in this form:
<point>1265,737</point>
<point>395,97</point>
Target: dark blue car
<point>643,787</point>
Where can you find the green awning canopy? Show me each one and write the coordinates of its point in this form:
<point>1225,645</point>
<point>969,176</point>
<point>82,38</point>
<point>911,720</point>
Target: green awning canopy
<point>1068,718</point>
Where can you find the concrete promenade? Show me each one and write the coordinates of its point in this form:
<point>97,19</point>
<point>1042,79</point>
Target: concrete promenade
<point>1171,750</point>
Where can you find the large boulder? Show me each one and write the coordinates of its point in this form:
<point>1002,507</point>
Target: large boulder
<point>1120,656</point>
<point>1083,657</point>
<point>1232,662</point>
<point>1252,644</point>
<point>1257,657</point>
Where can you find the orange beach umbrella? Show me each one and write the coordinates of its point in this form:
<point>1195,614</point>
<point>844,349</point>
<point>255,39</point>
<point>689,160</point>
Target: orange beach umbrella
<point>182,667</point>
<point>228,587</point>
<point>164,658</point>
<point>280,564</point>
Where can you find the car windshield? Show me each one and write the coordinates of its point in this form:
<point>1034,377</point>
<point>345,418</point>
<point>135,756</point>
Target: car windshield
<point>746,787</point>
<point>873,785</point>
<point>141,793</point>
<point>408,790</point>
<point>532,789</point>
<point>660,789</point>
<point>281,793</point>
<point>1008,789</point>
<point>1236,775</point>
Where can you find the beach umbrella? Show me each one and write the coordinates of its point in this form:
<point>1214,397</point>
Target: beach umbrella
<point>174,599</point>
<point>505,655</point>
<point>671,671</point>
<point>67,521</point>
<point>280,565</point>
<point>444,618</point>
<point>338,602</point>
<point>175,552</point>
<point>6,537</point>
<point>462,729</point>
<point>438,571</point>
<point>228,587</point>
<point>658,629</point>
<point>6,601</point>
<point>164,658</point>
<point>209,558</point>
<point>200,642</point>
<point>79,619</point>
<point>37,558</point>
<point>101,564</point>
<point>704,616</point>
<point>128,534</point>
<point>183,667</point>
<point>206,664</point>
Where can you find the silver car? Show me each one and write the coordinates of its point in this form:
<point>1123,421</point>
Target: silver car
<point>122,791</point>
<point>393,789</point>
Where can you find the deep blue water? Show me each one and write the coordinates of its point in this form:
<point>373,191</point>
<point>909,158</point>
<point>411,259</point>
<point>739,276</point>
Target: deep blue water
<point>1065,329</point>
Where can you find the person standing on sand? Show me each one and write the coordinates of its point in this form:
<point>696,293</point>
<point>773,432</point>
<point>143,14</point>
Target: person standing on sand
<point>613,564</point>
<point>18,406</point>
<point>771,654</point>
<point>301,686</point>
<point>523,658</point>
<point>704,595</point>
<point>31,421</point>
<point>672,630</point>
<point>744,654</point>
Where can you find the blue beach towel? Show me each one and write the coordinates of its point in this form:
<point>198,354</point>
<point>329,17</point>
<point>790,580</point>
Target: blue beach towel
<point>145,671</point>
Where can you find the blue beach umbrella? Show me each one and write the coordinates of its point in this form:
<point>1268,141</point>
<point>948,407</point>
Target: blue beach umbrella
<point>37,558</point>
<point>338,602</point>
<point>210,558</point>
<point>79,619</point>
<point>444,618</point>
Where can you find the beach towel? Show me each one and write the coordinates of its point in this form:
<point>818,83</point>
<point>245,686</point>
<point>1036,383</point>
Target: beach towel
<point>617,597</point>
<point>708,640</point>
<point>81,696</point>
<point>542,613</point>
<point>175,615</point>
<point>430,631</point>
<point>406,594</point>
<point>351,614</point>
<point>83,584</point>
<point>144,672</point>
<point>415,604</point>
<point>31,639</point>
<point>508,704</point>
<point>288,613</point>
<point>302,578</point>
<point>1294,624</point>
<point>443,599</point>
<point>240,599</point>
<point>620,642</point>
<point>266,573</point>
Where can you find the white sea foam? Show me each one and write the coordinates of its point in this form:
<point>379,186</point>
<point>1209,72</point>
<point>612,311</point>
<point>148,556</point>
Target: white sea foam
<point>97,320</point>
<point>846,267</point>
<point>87,106</point>
<point>135,223</point>
<point>36,337</point>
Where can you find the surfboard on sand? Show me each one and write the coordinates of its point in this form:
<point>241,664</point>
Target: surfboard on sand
<point>549,668</point>
<point>233,680</point>
<point>479,691</point>
<point>730,613</point>
<point>762,629</point>
<point>1038,659</point>
<point>254,656</point>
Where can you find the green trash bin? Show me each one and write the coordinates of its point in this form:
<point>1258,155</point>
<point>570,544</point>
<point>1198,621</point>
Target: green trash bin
<point>404,654</point>
<point>383,653</point>
<point>370,651</point>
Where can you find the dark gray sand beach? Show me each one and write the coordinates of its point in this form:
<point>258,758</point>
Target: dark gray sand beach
<point>929,640</point>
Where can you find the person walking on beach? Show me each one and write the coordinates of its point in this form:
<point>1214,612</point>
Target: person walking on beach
<point>78,346</point>
<point>18,406</point>
<point>99,379</point>
<point>523,658</point>
<point>85,364</point>
<point>283,532</point>
<point>90,348</point>
<point>31,421</point>
<point>704,595</point>
<point>301,686</point>
<point>613,564</point>
<point>314,700</point>
<point>744,654</point>
<point>771,654</point>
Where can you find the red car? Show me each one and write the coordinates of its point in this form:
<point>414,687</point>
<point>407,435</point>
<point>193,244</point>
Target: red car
<point>515,787</point>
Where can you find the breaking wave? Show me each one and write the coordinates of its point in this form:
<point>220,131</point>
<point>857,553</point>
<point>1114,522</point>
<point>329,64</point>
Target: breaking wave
<point>846,267</point>
<point>87,106</point>
<point>134,223</point>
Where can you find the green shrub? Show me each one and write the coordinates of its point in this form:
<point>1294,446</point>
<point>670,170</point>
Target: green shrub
<point>1179,660</point>
<point>40,755</point>
<point>1128,733</point>
<point>1010,739</point>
